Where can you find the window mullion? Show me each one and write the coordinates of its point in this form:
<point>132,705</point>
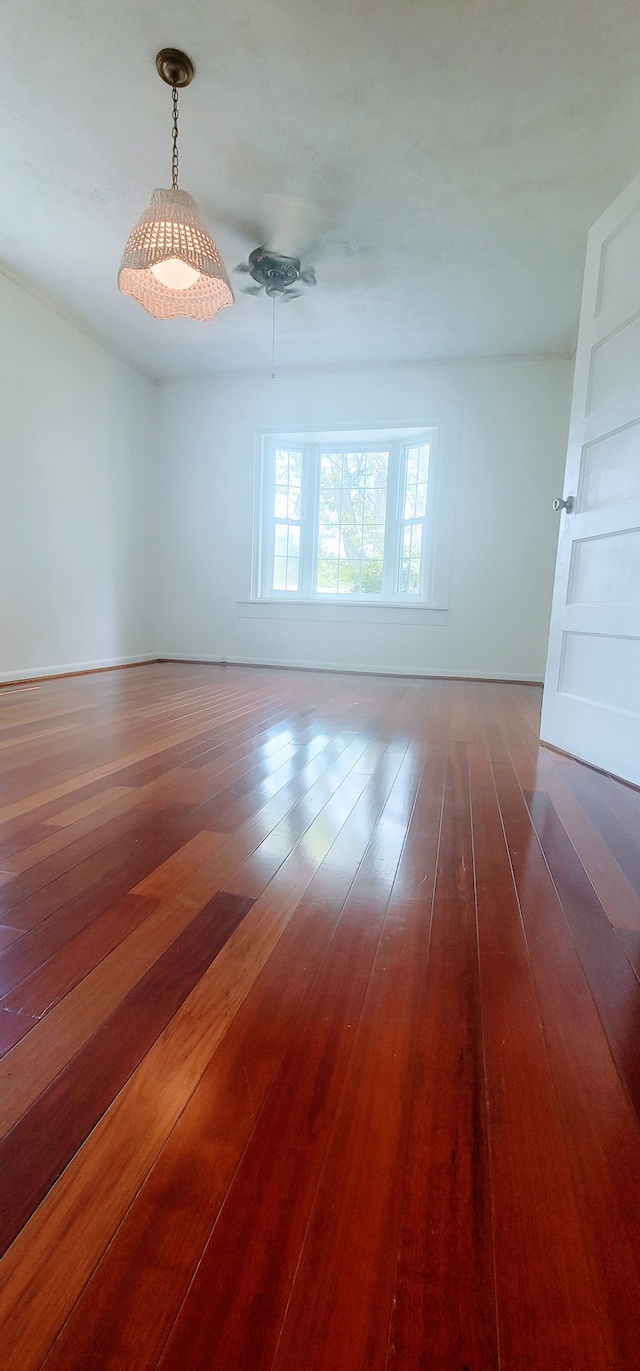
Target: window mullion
<point>306,522</point>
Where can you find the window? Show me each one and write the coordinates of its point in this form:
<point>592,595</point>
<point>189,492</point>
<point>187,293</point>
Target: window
<point>349,520</point>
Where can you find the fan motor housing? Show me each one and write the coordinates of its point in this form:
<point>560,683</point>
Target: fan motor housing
<point>273,271</point>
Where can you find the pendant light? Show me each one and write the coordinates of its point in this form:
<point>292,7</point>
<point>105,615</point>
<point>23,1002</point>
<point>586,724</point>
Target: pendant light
<point>171,265</point>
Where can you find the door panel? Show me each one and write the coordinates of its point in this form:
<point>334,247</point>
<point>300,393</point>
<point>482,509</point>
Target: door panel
<point>611,469</point>
<point>605,569</point>
<point>602,669</point>
<point>614,367</point>
<point>591,702</point>
<point>620,268</point>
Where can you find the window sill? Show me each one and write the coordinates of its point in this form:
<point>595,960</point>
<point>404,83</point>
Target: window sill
<point>332,611</point>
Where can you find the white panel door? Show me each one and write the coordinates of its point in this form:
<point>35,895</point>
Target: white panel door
<point>591,704</point>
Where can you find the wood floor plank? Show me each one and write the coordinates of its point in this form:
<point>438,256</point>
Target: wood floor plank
<point>79,811</point>
<point>537,1225</point>
<point>30,847</point>
<point>83,1210</point>
<point>624,800</point>
<point>40,1146</point>
<point>355,1220</point>
<point>274,1188</point>
<point>151,1261</point>
<point>8,935</point>
<point>167,878</point>
<point>390,1119</point>
<point>24,906</point>
<point>34,1063</point>
<point>617,896</point>
<point>444,1307</point>
<point>38,944</point>
<point>119,764</point>
<point>18,835</point>
<point>612,982</point>
<point>624,845</point>
<point>604,1174</point>
<point>57,975</point>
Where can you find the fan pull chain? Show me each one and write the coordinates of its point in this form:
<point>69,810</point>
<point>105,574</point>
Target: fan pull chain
<point>273,342</point>
<point>174,155</point>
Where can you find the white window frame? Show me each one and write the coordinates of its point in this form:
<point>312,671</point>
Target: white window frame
<point>431,605</point>
<point>394,525</point>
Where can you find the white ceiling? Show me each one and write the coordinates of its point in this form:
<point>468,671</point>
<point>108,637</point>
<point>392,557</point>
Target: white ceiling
<point>438,161</point>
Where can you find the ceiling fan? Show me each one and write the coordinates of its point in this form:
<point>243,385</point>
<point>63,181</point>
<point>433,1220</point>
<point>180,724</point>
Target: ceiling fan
<point>275,274</point>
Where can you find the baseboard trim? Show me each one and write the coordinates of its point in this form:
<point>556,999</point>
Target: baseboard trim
<point>429,674</point>
<point>31,677</point>
<point>58,673</point>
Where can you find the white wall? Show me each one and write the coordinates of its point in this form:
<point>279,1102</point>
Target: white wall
<point>76,502</point>
<point>514,433</point>
<point>110,522</point>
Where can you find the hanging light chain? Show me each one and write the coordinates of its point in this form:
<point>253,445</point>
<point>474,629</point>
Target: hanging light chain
<point>174,155</point>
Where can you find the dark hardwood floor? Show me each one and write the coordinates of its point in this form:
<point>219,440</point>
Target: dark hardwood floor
<point>320,1029</point>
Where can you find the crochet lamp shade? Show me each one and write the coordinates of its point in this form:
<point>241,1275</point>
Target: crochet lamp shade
<point>171,265</point>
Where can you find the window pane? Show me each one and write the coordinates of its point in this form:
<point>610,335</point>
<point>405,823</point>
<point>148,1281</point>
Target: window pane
<point>353,505</point>
<point>415,499</point>
<point>288,467</point>
<point>281,540</point>
<point>282,467</point>
<point>286,558</point>
<point>282,502</point>
<point>371,583</point>
<point>279,573</point>
<point>328,575</point>
<point>421,501</point>
<point>411,559</point>
<point>329,506</point>
<point>328,541</point>
<point>288,484</point>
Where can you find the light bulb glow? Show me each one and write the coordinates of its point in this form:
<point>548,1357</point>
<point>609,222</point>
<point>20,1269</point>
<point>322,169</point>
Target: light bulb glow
<point>175,274</point>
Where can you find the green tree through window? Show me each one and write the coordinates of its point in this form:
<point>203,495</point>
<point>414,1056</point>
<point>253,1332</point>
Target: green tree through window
<point>348,520</point>
<point>352,522</point>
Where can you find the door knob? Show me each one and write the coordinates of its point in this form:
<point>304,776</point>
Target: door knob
<point>564,504</point>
